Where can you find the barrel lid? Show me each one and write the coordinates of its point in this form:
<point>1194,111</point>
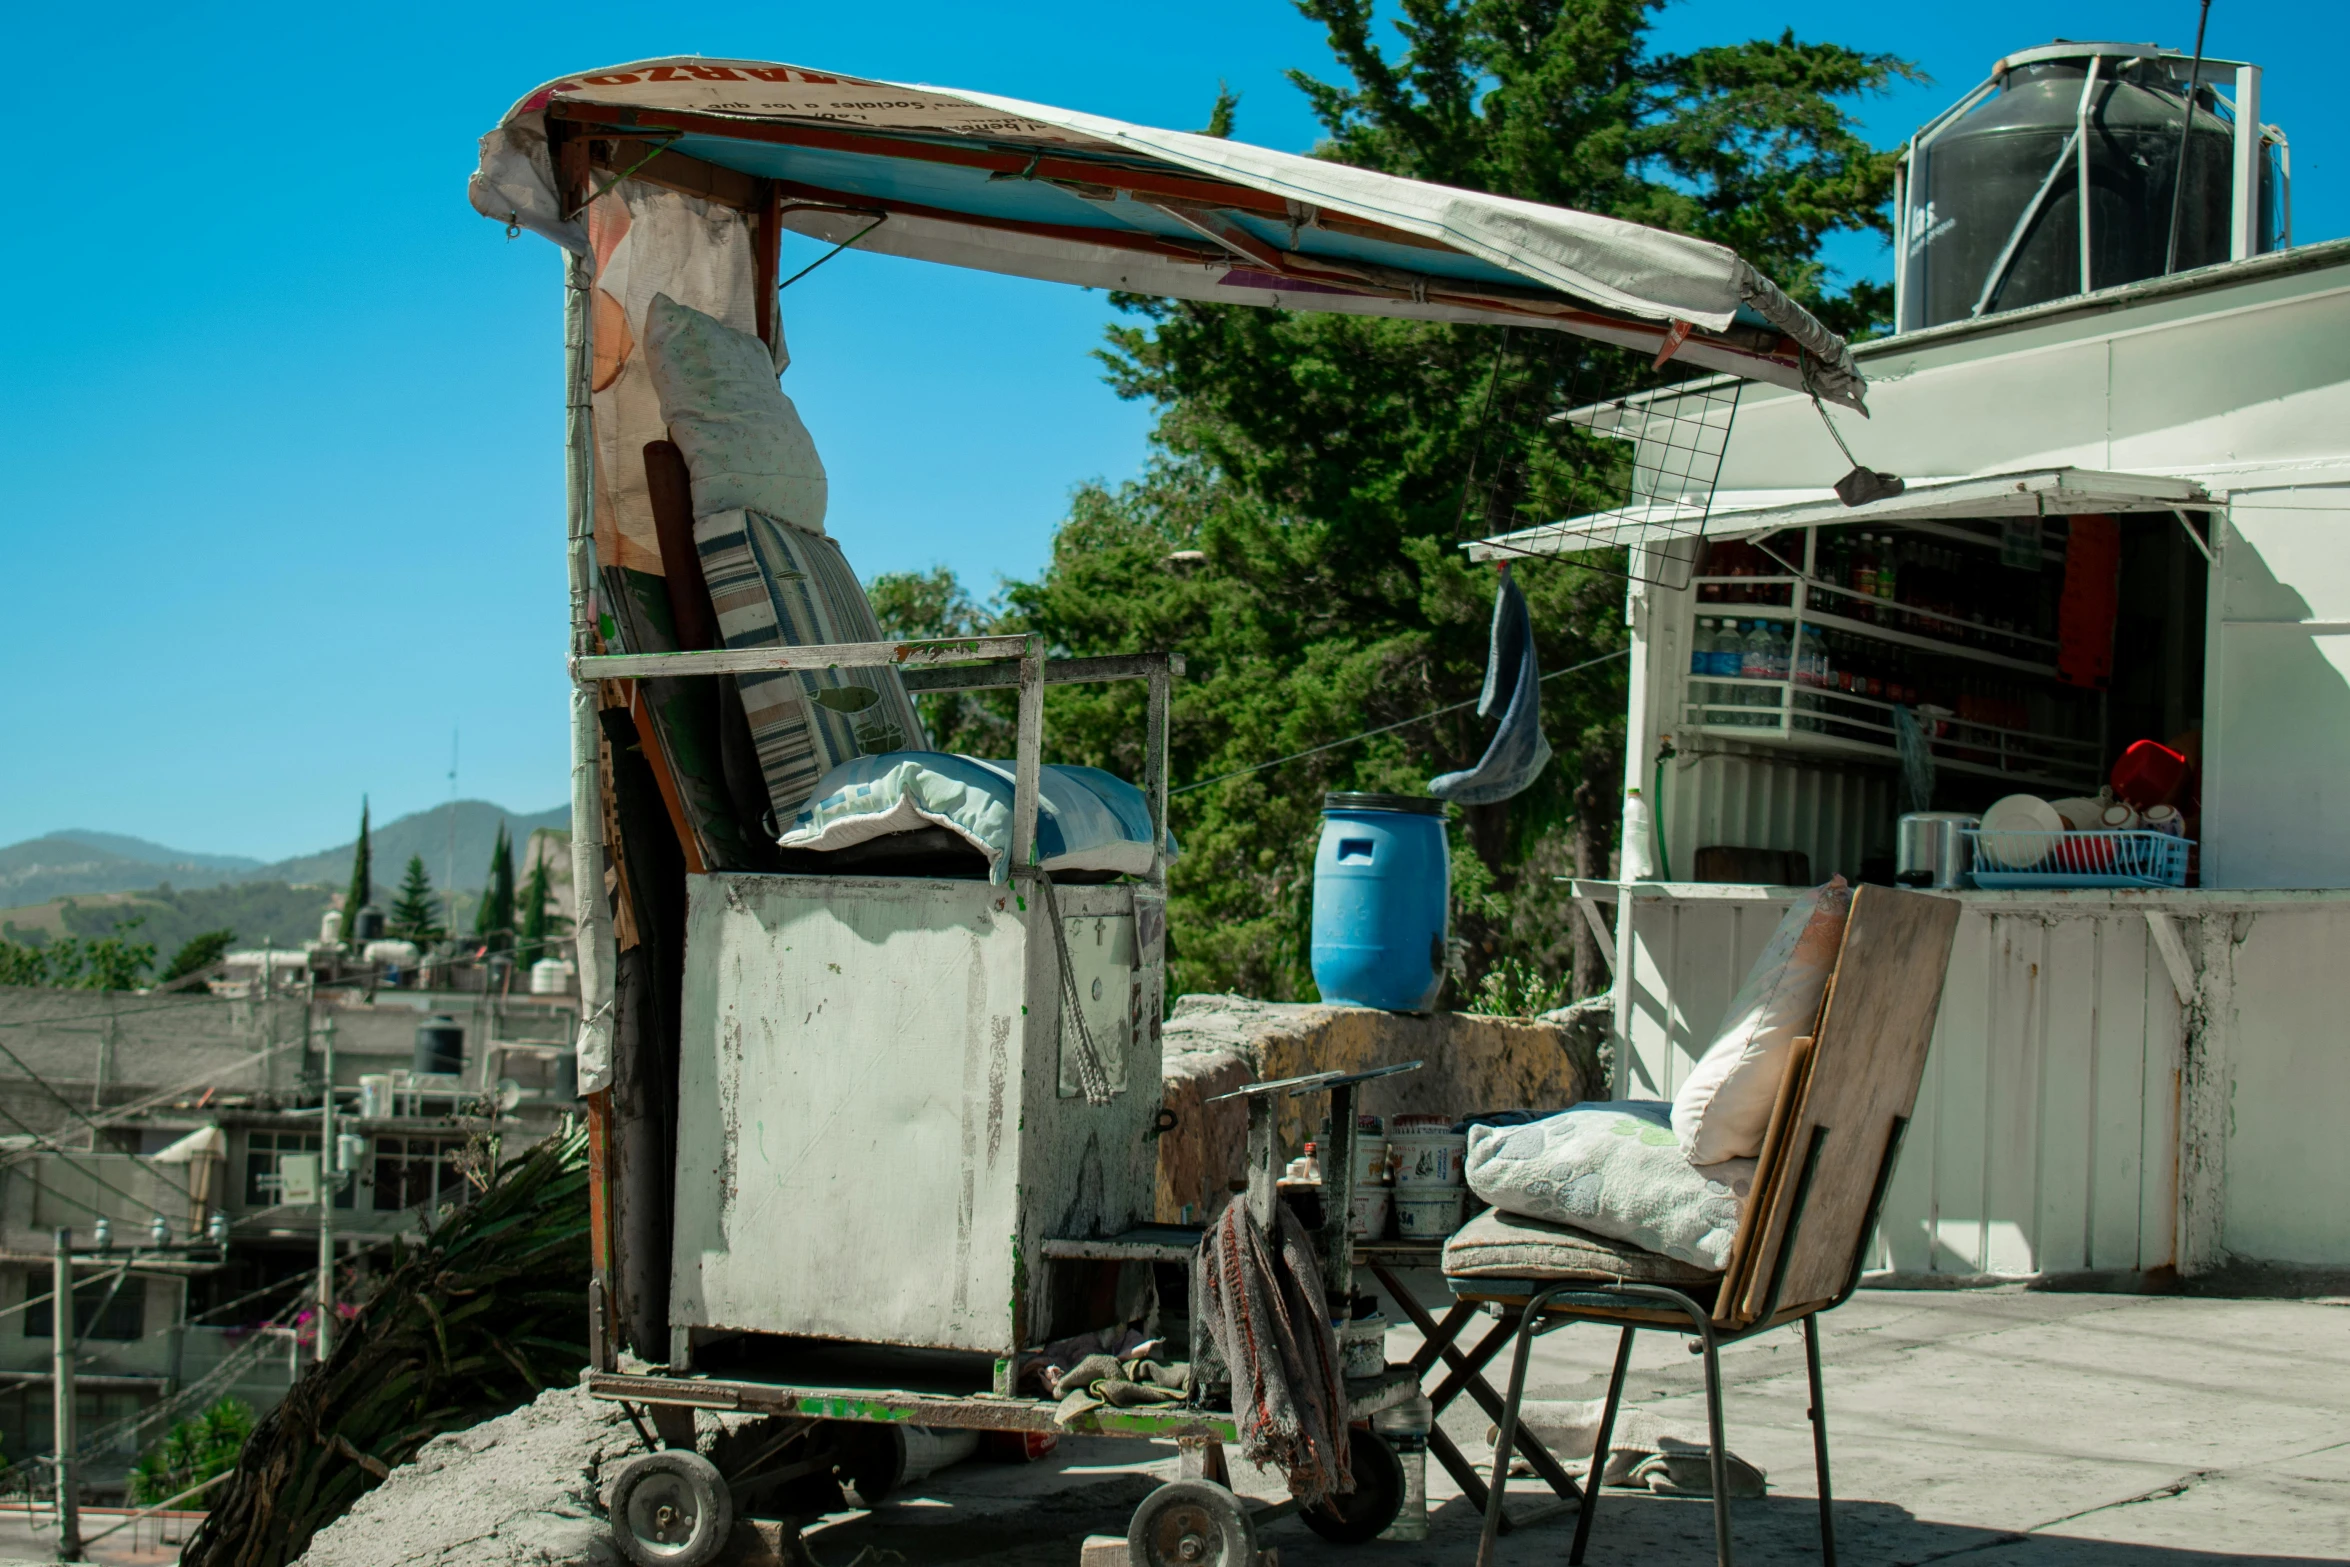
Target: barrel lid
<point>1415,804</point>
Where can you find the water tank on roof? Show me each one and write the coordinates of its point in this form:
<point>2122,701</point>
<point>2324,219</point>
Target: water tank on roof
<point>368,925</point>
<point>440,1046</point>
<point>2054,178</point>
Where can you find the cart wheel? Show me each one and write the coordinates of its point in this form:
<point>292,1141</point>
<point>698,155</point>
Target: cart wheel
<point>671,1509</point>
<point>1191,1523</point>
<point>1364,1512</point>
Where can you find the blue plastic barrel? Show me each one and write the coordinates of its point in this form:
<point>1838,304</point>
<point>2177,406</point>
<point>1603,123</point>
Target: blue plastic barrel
<point>1382,887</point>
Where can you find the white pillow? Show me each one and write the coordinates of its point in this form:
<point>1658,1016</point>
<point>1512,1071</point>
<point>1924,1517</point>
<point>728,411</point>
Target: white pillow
<point>1612,1169</point>
<point>743,441</point>
<point>1724,1108</point>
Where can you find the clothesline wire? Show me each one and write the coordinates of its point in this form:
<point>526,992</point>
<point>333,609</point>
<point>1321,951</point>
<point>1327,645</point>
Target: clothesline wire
<point>1401,723</point>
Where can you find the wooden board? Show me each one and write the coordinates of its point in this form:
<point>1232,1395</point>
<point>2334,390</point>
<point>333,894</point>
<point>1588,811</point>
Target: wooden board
<point>1770,1172</point>
<point>1867,1060</point>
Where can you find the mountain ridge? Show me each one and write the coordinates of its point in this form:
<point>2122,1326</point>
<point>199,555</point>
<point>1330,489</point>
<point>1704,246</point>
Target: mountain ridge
<point>84,862</point>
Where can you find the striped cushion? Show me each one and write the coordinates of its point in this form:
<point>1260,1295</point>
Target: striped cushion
<point>1498,1245</point>
<point>774,585</point>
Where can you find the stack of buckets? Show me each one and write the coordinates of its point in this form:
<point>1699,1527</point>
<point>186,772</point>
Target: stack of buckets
<point>1431,1176</point>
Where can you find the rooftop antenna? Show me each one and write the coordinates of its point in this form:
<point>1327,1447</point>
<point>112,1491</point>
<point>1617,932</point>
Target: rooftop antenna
<point>449,869</point>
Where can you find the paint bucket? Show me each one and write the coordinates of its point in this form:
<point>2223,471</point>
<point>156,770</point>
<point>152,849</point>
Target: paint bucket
<point>1370,1207</point>
<point>1428,1213</point>
<point>1436,1157</point>
<point>1362,1345</point>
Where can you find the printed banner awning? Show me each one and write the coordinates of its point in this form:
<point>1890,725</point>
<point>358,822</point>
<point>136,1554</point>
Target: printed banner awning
<point>975,180</point>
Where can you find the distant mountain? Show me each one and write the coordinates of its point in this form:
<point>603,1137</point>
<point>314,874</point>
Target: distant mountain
<point>72,865</point>
<point>425,833</point>
<point>156,853</point>
<point>78,863</point>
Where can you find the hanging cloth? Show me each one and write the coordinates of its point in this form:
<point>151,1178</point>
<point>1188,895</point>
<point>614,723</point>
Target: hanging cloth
<point>1518,751</point>
<point>1261,1298</point>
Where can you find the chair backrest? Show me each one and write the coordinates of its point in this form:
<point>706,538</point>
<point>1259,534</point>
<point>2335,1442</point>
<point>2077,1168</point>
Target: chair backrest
<point>1846,1090</point>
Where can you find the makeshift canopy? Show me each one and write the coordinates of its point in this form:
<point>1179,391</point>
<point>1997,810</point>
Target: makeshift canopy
<point>1005,186</point>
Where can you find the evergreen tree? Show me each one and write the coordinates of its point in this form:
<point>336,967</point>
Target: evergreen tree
<point>415,914</point>
<point>1297,532</point>
<point>362,880</point>
<point>493,922</point>
<point>540,924</point>
<point>197,953</point>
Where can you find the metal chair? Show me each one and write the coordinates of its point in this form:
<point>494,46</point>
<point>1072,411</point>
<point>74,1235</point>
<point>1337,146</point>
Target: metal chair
<point>1835,1135</point>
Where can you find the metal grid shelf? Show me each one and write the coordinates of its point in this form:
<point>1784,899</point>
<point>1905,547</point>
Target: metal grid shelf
<point>1799,717</point>
<point>1930,637</point>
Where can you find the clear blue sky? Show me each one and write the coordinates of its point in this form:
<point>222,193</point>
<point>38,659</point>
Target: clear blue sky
<point>282,499</point>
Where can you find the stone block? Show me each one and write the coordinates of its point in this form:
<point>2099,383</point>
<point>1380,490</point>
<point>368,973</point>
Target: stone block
<point>1214,1044</point>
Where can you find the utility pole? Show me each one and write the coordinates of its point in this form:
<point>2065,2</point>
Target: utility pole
<point>329,1167</point>
<point>69,1511</point>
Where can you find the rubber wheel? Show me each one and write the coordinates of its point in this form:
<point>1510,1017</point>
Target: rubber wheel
<point>1364,1512</point>
<point>671,1509</point>
<point>1191,1523</point>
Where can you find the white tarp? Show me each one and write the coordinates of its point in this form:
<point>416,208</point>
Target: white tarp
<point>1623,269</point>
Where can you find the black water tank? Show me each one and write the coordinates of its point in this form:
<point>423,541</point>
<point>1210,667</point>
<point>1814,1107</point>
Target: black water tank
<point>440,1046</point>
<point>1970,182</point>
<point>367,925</point>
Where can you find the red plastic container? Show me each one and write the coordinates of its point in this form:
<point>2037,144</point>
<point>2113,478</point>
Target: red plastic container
<point>2149,774</point>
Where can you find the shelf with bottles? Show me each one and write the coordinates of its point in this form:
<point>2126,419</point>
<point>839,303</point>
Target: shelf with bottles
<point>1926,587</point>
<point>1840,693</point>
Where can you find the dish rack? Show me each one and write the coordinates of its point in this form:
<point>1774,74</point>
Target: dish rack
<point>2137,858</point>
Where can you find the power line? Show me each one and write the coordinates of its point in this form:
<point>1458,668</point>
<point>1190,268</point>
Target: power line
<point>1404,723</point>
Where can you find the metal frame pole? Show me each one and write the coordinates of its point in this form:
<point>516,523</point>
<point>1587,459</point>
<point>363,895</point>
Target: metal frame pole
<point>61,1346</point>
<point>327,1186</point>
<point>592,928</point>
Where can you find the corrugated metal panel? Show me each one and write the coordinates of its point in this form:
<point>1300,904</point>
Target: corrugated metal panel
<point>1835,815</point>
<point>2046,1130</point>
<point>2047,1127</point>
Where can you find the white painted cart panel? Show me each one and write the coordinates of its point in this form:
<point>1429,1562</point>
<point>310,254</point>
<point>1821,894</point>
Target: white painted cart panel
<point>873,1140</point>
<point>848,1115</point>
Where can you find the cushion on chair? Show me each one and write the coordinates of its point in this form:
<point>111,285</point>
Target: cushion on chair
<point>1614,1169</point>
<point>1724,1106</point>
<point>1498,1245</point>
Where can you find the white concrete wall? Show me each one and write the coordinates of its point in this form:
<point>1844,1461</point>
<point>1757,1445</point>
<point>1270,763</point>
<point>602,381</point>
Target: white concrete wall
<point>2276,787</point>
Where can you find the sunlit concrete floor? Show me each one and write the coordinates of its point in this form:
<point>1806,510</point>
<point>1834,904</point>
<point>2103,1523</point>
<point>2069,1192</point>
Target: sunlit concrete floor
<point>2015,1427</point>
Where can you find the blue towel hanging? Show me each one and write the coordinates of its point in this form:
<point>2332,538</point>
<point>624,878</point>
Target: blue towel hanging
<point>1513,684</point>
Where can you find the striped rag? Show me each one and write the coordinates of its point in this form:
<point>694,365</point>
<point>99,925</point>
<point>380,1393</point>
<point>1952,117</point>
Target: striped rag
<point>1264,1307</point>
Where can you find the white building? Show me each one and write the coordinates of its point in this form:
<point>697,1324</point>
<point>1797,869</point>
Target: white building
<point>2124,1082</point>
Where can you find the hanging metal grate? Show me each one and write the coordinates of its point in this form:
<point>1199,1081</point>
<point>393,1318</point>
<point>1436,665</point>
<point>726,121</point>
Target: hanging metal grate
<point>1656,452</point>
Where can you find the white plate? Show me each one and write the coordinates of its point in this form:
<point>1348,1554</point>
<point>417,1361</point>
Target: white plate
<point>2018,832</point>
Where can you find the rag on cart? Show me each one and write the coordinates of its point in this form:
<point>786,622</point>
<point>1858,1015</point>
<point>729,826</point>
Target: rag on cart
<point>1262,1301</point>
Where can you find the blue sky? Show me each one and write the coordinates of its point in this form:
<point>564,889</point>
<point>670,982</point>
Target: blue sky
<point>281,438</point>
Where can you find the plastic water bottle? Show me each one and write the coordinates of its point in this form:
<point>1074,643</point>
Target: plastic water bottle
<point>1729,663</point>
<point>1755,664</point>
<point>1701,662</point>
<point>1404,1429</point>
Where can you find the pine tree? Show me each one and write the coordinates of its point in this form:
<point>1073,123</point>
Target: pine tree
<point>415,912</point>
<point>536,895</point>
<point>362,879</point>
<point>493,923</point>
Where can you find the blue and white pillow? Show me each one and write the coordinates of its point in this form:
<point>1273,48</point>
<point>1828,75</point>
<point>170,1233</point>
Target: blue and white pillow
<point>1614,1169</point>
